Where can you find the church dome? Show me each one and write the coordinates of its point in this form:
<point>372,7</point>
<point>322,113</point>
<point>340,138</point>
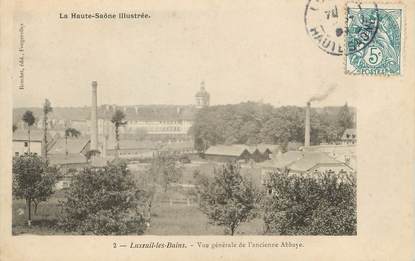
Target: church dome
<point>202,97</point>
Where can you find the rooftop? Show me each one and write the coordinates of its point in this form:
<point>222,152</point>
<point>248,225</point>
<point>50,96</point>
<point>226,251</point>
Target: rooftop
<point>238,149</point>
<point>35,135</point>
<point>130,144</point>
<point>73,145</point>
<point>299,160</point>
<point>227,150</point>
<point>62,159</point>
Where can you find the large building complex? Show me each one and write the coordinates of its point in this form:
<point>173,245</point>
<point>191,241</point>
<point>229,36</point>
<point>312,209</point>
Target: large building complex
<point>170,123</point>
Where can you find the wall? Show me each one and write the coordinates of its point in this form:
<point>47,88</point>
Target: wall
<point>151,127</point>
<point>221,158</point>
<point>35,147</point>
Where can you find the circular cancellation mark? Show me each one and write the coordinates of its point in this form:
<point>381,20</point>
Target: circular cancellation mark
<point>328,25</point>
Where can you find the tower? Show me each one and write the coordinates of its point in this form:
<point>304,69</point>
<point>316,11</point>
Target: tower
<point>202,97</point>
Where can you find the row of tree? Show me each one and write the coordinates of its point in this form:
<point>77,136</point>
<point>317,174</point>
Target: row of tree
<point>290,205</point>
<point>99,200</point>
<point>253,123</point>
<point>110,200</point>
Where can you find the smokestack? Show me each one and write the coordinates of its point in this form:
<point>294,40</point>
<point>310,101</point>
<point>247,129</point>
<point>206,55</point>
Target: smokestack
<point>307,126</point>
<point>94,122</point>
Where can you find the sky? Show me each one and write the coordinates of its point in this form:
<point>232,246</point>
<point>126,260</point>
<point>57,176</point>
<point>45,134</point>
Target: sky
<point>242,54</point>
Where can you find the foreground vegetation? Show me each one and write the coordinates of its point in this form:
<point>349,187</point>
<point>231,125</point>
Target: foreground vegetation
<point>290,205</point>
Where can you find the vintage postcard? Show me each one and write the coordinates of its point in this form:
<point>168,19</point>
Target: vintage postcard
<point>234,130</point>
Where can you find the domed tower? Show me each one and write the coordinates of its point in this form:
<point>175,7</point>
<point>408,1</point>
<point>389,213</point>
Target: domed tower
<point>202,97</point>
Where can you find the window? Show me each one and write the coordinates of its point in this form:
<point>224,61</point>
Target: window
<point>16,154</point>
<point>25,144</point>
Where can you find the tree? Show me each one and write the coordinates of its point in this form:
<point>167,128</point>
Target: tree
<point>164,170</point>
<point>252,123</point>
<point>91,153</point>
<point>47,108</point>
<point>345,118</point>
<point>321,204</point>
<point>229,199</point>
<point>45,187</point>
<point>14,127</point>
<point>33,181</point>
<point>70,132</point>
<point>29,119</point>
<point>118,120</point>
<point>104,201</point>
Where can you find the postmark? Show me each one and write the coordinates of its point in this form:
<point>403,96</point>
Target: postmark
<point>324,22</point>
<point>369,36</point>
<point>378,53</point>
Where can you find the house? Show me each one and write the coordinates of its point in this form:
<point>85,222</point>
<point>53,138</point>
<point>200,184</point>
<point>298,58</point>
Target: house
<point>69,154</point>
<point>342,152</point>
<point>349,136</point>
<point>68,162</point>
<point>130,148</point>
<point>265,152</point>
<point>178,147</point>
<point>303,162</point>
<point>262,152</point>
<point>224,153</point>
<point>257,153</point>
<point>70,146</point>
<point>21,142</point>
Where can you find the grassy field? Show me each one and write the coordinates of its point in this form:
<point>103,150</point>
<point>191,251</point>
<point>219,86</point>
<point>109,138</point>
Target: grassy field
<point>184,220</point>
<point>166,220</point>
<point>43,223</point>
<point>176,219</point>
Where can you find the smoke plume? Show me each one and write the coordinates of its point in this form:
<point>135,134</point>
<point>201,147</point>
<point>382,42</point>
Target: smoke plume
<point>320,97</point>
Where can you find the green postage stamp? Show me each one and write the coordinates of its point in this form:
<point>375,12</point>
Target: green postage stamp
<point>374,40</point>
